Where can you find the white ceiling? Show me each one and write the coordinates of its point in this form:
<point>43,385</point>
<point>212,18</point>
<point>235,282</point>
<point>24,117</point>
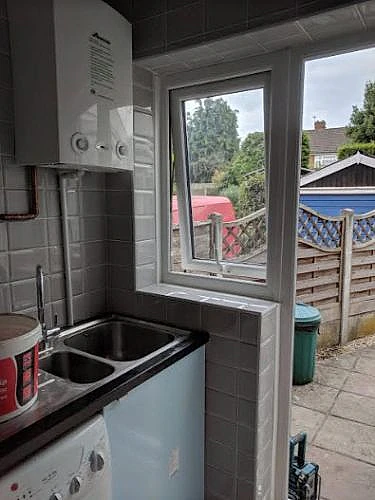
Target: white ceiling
<point>354,19</point>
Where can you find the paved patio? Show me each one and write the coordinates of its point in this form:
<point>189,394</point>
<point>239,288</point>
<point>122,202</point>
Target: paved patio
<point>337,411</point>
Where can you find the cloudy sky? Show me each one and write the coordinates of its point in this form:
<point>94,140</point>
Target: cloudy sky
<point>332,86</point>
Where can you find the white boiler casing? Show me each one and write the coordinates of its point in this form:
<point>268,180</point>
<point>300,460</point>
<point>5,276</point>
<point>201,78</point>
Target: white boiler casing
<point>72,69</point>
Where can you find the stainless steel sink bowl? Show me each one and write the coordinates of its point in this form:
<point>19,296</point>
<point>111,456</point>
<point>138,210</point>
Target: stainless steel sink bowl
<point>120,340</point>
<point>74,367</point>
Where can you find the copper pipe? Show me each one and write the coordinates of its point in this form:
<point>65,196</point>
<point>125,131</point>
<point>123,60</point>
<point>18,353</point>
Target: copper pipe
<point>34,209</point>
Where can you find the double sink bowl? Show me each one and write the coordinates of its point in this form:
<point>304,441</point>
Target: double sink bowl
<point>108,347</point>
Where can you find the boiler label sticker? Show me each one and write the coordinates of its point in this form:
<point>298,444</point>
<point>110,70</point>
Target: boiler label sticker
<point>102,79</point>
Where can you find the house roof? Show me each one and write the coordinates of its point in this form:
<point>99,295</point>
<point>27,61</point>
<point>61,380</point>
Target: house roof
<point>326,140</point>
<point>357,159</point>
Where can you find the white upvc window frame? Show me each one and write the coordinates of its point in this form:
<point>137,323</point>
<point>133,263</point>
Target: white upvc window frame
<point>178,128</point>
<point>181,86</point>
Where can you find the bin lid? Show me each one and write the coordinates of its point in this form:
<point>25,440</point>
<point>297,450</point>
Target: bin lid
<point>305,314</point>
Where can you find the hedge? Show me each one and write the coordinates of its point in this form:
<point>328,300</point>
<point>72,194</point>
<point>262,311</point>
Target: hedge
<point>350,149</point>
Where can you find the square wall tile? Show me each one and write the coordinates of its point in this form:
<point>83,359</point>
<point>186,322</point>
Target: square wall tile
<point>221,378</point>
<point>185,22</point>
<point>223,351</point>
<point>221,14</point>
<point>149,34</point>
<point>220,430</point>
<point>220,456</point>
<point>24,262</point>
<point>219,485</point>
<point>183,314</point>
<point>220,404</point>
<point>28,234</point>
<point>221,321</point>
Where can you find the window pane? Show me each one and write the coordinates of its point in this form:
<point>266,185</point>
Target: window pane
<point>226,179</point>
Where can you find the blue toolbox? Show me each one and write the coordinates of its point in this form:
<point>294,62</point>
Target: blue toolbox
<point>304,478</point>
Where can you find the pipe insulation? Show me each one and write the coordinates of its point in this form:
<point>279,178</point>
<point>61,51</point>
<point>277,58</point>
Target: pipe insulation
<point>64,177</point>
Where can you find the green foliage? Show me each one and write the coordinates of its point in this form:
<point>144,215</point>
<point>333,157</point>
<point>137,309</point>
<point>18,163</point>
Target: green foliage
<point>212,138</point>
<point>351,148</point>
<point>252,194</point>
<point>362,121</point>
<point>305,150</point>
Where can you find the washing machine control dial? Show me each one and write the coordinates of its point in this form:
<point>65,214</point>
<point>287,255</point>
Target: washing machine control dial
<point>75,485</point>
<point>96,461</point>
<point>56,496</point>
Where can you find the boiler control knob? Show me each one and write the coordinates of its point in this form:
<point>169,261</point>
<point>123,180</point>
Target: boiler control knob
<point>96,461</point>
<point>121,150</point>
<point>56,496</point>
<point>79,143</point>
<point>75,485</point>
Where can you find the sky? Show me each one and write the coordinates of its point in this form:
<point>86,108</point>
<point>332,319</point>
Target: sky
<point>332,86</point>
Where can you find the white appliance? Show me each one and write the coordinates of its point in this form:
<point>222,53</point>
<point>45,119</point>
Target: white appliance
<point>72,73</point>
<point>76,467</point>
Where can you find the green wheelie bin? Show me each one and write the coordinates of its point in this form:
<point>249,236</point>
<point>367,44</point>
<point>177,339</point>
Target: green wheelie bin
<point>306,320</point>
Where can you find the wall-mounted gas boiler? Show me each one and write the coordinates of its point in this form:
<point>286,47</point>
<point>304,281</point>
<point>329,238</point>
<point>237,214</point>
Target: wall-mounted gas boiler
<point>72,70</point>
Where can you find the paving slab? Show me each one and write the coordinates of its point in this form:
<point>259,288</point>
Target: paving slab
<point>346,361</point>
<point>365,365</point>
<point>330,376</point>
<point>343,478</point>
<point>350,438</point>
<point>355,407</point>
<point>306,420</point>
<point>314,396</point>
<point>361,384</point>
<point>368,352</point>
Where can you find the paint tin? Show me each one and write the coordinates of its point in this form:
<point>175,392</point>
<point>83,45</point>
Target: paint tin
<point>19,339</point>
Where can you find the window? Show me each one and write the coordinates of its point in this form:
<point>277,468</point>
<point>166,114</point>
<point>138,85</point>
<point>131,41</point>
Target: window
<point>219,171</point>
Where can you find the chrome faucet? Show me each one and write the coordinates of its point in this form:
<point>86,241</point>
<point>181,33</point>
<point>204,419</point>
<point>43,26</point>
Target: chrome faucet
<point>46,333</point>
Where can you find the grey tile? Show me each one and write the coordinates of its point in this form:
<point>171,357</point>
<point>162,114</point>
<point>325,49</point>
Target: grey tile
<point>143,9</point>
<point>119,203</point>
<point>247,413</point>
<point>144,177</point>
<point>53,204</point>
<point>122,302</point>
<point>75,230</point>
<point>246,440</point>
<point>77,282</point>
<point>219,484</point>
<point>119,181</point>
<point>143,151</point>
<point>220,456</point>
<point>221,378</point>
<point>246,468</point>
<point>94,253</point>
<point>27,234</point>
<point>77,257</point>
<point>223,351</point>
<point>5,71</point>
<point>220,321</point>
<point>144,203</point>
<point>224,14</point>
<point>6,105</point>
<point>221,404</point>
<point>23,263</point>
<point>250,326</point>
<point>93,228</point>
<point>120,253</point>
<point>245,490</point>
<point>247,385</point>
<point>220,430</point>
<point>144,228</point>
<point>149,34</point>
<point>56,260</point>
<point>143,125</point>
<point>185,22</point>
<point>17,201</point>
<point>183,314</point>
<point>121,277</point>
<point>54,231</point>
<point>72,200</point>
<point>59,309</point>
<point>24,294</point>
<point>4,268</point>
<point>3,237</point>
<point>248,357</point>
<point>93,203</point>
<point>93,181</point>
<point>151,307</point>
<point>16,177</point>
<point>146,275</point>
<point>145,252</point>
<point>120,228</point>
<point>57,287</point>
<point>5,301</point>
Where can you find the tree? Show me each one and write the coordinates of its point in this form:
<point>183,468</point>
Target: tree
<point>212,138</point>
<point>305,150</point>
<point>361,128</point>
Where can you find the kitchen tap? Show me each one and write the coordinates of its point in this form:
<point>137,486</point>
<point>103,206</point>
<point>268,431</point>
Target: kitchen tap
<point>46,333</point>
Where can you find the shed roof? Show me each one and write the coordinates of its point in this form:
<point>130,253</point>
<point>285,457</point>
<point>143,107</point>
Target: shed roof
<point>326,140</point>
<point>356,159</point>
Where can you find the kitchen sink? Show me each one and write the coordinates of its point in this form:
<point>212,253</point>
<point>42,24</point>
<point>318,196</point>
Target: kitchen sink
<point>74,367</point>
<point>120,340</point>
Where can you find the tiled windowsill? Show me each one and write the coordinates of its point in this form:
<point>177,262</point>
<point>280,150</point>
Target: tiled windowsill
<point>197,295</point>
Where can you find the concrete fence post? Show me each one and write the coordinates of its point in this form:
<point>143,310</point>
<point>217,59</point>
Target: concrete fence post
<point>216,237</point>
<point>346,273</point>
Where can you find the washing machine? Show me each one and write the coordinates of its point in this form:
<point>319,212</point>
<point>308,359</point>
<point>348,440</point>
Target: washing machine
<point>77,466</point>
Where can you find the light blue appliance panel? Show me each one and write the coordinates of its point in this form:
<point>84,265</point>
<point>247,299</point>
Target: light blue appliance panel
<point>159,427</point>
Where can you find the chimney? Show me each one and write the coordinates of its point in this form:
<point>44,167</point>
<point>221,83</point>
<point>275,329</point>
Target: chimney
<point>320,124</point>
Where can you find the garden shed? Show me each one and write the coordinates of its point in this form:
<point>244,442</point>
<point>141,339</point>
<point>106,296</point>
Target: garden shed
<point>348,183</point>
